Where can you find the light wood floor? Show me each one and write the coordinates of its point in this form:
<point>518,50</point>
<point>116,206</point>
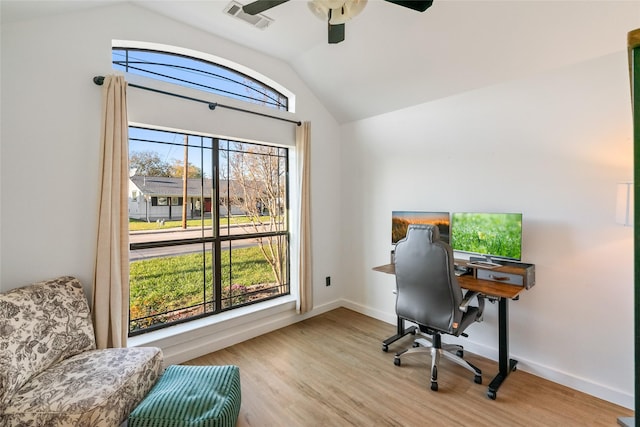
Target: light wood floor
<point>330,370</point>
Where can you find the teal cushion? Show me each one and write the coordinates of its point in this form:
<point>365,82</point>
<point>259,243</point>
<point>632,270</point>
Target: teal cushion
<point>191,396</point>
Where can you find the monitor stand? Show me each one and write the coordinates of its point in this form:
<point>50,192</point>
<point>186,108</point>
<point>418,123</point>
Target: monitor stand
<point>486,262</point>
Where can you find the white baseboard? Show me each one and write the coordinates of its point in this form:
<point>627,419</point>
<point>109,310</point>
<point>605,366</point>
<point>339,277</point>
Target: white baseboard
<point>584,385</point>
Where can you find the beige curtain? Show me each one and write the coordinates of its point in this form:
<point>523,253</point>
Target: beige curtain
<point>303,156</point>
<point>111,281</point>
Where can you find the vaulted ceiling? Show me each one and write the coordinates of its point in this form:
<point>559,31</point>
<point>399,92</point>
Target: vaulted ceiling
<point>394,57</point>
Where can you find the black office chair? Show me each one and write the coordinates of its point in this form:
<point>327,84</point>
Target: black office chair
<point>428,294</point>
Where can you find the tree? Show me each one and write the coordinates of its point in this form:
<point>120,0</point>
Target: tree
<point>257,180</point>
<point>148,163</point>
<point>177,169</point>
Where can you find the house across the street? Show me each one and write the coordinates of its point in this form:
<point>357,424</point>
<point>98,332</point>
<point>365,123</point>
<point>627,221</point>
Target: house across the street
<point>155,197</point>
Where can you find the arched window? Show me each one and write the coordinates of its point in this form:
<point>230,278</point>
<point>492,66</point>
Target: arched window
<point>202,72</point>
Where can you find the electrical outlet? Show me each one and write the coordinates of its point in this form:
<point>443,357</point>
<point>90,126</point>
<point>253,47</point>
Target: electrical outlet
<point>327,281</point>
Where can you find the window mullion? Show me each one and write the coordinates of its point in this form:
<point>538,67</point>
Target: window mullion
<point>215,223</point>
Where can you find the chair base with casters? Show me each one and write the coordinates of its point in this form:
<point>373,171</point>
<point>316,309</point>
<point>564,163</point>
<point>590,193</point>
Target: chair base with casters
<point>433,345</point>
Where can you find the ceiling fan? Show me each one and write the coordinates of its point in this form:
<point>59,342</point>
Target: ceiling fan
<point>336,12</point>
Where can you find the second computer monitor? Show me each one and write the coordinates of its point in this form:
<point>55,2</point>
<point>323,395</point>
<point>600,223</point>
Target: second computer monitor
<point>492,235</point>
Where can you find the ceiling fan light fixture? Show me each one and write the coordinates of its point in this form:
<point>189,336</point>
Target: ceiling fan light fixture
<point>319,9</point>
<point>332,4</point>
<point>341,10</point>
<point>348,10</point>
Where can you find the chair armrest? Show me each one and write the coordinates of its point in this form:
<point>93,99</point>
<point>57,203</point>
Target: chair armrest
<point>464,305</point>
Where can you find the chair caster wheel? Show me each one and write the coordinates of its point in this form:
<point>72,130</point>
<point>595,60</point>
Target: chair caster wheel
<point>397,361</point>
<point>491,394</point>
<point>434,386</point>
<point>477,379</point>
<point>385,348</point>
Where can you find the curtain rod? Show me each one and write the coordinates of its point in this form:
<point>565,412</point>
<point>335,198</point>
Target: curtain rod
<point>99,80</point>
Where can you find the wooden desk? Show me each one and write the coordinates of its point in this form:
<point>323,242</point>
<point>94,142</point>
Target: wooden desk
<point>500,291</point>
<point>467,281</point>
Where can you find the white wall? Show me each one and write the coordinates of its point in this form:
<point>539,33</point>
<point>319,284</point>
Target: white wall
<point>50,137</point>
<point>552,147</point>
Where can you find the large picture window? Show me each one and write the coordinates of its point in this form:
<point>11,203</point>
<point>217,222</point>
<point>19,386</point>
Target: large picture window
<point>209,228</point>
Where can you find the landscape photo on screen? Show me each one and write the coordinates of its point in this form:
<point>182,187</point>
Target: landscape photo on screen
<point>400,221</point>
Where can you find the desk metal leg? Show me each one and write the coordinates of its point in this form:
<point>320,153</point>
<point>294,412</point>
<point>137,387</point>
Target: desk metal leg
<point>505,365</point>
<point>400,332</point>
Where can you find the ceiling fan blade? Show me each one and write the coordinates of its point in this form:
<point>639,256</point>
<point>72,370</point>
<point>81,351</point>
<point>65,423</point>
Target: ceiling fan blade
<point>336,33</point>
<point>419,5</point>
<point>260,6</point>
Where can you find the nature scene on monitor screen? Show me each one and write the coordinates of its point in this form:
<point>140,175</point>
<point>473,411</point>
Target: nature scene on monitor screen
<point>400,221</point>
<point>490,234</point>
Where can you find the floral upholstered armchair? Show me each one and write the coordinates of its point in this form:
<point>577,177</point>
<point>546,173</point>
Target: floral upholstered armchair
<point>51,373</point>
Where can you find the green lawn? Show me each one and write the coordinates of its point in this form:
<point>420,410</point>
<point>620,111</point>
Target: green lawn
<point>166,283</point>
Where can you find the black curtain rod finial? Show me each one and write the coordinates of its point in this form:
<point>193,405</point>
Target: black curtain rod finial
<point>99,80</point>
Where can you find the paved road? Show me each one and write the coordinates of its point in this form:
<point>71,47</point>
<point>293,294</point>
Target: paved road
<point>177,234</point>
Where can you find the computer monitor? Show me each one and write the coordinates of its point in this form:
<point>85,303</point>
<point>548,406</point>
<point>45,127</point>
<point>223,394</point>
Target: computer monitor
<point>400,221</point>
<point>492,235</point>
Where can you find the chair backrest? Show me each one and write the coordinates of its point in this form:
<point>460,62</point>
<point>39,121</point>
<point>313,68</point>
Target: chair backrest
<point>428,292</point>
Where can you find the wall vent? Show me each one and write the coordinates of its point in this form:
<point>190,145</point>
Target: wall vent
<point>259,21</point>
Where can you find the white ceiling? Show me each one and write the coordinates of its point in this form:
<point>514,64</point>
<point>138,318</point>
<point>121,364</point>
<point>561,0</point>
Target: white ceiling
<point>394,57</point>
